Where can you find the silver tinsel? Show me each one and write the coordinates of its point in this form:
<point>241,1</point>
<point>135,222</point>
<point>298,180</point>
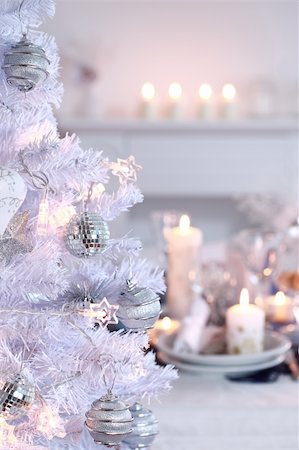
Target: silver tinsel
<point>139,308</point>
<point>16,396</point>
<point>145,428</point>
<point>109,420</point>
<point>25,65</point>
<point>86,235</point>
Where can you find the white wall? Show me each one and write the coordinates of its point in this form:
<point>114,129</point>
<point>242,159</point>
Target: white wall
<point>129,42</point>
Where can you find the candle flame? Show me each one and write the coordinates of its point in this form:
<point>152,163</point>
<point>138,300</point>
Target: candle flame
<point>166,323</point>
<point>244,297</point>
<point>229,92</point>
<point>280,298</point>
<point>175,91</point>
<point>205,91</point>
<point>184,224</point>
<point>148,91</point>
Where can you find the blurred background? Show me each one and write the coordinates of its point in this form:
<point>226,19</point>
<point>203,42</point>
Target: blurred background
<point>204,94</point>
<point>227,156</point>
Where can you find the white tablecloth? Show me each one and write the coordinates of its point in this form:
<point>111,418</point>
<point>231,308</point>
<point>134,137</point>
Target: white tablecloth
<point>210,413</point>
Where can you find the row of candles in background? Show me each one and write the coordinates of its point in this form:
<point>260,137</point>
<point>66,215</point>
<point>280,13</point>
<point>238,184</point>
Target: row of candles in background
<point>227,107</point>
<point>245,321</point>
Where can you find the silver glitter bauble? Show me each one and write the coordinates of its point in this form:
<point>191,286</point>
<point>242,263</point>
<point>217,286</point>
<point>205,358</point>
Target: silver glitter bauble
<point>109,420</point>
<point>145,428</point>
<point>139,308</point>
<point>86,235</point>
<point>16,396</point>
<point>25,65</point>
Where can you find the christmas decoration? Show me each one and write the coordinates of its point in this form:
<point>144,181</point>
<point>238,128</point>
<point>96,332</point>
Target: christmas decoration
<point>126,169</point>
<point>145,428</point>
<point>87,234</point>
<point>139,307</point>
<point>16,396</point>
<point>103,313</point>
<point>50,424</point>
<point>109,420</point>
<point>56,200</point>
<point>25,65</point>
<point>14,241</point>
<point>12,194</point>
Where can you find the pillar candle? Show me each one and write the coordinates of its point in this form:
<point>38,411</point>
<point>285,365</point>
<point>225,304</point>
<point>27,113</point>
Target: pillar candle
<point>175,97</point>
<point>183,249</point>
<point>229,103</point>
<point>148,106</point>
<point>245,327</point>
<point>205,106</point>
<point>279,309</point>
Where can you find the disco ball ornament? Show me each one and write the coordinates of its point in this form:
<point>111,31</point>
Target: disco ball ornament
<point>86,235</point>
<point>16,396</point>
<point>25,65</point>
<point>139,307</point>
<point>109,420</point>
<point>145,428</point>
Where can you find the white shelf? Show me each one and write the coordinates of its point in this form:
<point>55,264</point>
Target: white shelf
<point>193,126</point>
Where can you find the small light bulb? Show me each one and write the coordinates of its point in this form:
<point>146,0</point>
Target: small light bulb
<point>229,92</point>
<point>43,218</point>
<point>175,91</point>
<point>148,91</point>
<point>205,91</point>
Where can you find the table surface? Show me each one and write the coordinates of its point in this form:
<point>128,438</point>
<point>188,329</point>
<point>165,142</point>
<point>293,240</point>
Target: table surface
<point>208,412</point>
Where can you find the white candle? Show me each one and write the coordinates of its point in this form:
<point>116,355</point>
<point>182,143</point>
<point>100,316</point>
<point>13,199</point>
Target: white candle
<point>183,247</point>
<point>206,106</point>
<point>245,325</point>
<point>279,308</point>
<point>175,95</point>
<point>148,107</point>
<point>229,103</point>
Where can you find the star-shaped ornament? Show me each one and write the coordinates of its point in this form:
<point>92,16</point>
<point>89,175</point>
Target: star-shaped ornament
<point>14,241</point>
<point>126,169</point>
<point>103,313</point>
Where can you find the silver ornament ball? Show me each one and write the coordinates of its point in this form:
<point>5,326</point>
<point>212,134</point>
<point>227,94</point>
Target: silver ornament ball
<point>109,420</point>
<point>145,428</point>
<point>16,396</point>
<point>87,234</point>
<point>25,65</point>
<point>139,308</point>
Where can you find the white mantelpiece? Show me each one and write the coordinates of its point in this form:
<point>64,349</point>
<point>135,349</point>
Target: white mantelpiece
<point>201,159</point>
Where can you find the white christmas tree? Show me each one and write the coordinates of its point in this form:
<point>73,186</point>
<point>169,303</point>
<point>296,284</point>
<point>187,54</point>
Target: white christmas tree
<point>66,379</point>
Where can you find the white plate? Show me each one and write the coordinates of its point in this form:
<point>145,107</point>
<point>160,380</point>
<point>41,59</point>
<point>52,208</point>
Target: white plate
<point>245,368</point>
<point>275,345</point>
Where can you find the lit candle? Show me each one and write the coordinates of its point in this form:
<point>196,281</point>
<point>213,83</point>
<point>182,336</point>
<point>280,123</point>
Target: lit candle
<point>279,309</point>
<point>229,104</point>
<point>163,326</point>
<point>206,107</point>
<point>183,248</point>
<point>245,327</point>
<point>175,95</point>
<point>148,94</point>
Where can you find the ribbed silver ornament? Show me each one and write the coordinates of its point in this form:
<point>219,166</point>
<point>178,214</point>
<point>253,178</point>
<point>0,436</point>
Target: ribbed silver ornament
<point>109,420</point>
<point>16,396</point>
<point>86,235</point>
<point>139,308</point>
<point>145,428</point>
<point>25,65</point>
